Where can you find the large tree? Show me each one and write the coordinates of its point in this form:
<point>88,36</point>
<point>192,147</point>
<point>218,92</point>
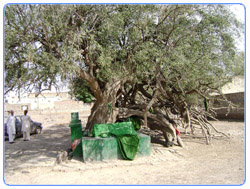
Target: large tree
<point>158,62</point>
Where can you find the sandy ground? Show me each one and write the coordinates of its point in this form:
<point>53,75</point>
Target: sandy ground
<point>221,163</point>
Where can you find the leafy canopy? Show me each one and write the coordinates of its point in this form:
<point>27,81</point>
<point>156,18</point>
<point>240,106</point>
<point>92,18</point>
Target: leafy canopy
<point>192,45</point>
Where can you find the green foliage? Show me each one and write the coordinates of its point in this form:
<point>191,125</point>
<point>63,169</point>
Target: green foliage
<point>192,99</point>
<point>80,90</point>
<point>135,121</point>
<point>193,45</point>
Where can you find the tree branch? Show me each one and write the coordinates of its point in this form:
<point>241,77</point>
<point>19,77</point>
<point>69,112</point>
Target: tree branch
<point>94,86</point>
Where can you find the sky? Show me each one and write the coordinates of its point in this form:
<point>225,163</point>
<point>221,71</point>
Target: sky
<point>239,11</point>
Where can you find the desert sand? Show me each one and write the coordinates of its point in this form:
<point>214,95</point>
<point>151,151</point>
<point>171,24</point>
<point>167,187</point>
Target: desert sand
<point>220,163</point>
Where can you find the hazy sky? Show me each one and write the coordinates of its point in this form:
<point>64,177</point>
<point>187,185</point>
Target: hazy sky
<point>239,11</point>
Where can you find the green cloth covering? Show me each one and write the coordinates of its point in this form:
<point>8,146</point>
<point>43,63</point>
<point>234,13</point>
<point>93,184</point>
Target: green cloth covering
<point>206,104</point>
<point>100,129</point>
<point>116,129</point>
<point>128,145</point>
<point>127,137</point>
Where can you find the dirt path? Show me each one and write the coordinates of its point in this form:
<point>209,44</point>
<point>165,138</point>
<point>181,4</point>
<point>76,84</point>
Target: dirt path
<point>221,163</point>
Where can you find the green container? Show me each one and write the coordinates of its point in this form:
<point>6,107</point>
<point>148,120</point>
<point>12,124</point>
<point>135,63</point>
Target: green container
<point>74,116</point>
<point>76,134</point>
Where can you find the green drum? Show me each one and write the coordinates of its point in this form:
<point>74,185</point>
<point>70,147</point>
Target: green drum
<point>76,134</point>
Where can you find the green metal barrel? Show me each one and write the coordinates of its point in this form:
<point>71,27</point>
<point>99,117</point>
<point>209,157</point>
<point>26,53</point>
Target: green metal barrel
<point>76,134</point>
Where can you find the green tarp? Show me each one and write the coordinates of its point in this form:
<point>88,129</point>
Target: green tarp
<point>127,137</point>
<point>128,145</point>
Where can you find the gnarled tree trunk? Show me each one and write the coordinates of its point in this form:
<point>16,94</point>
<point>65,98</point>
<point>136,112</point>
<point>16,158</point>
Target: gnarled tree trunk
<point>104,110</point>
<point>155,122</point>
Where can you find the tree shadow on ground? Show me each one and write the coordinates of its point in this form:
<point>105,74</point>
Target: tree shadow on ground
<point>42,148</point>
<point>158,140</point>
<point>199,138</point>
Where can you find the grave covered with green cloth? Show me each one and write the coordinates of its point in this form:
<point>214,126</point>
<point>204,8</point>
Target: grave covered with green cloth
<point>126,137</point>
